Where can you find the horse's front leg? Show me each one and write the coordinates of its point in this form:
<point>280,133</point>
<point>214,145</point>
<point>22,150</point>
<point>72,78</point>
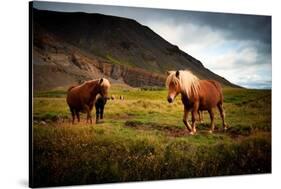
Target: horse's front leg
<point>90,117</point>
<point>185,120</point>
<point>101,112</point>
<point>193,118</point>
<point>97,114</point>
<point>88,110</point>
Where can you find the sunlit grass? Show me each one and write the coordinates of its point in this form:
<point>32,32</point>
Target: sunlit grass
<point>143,138</point>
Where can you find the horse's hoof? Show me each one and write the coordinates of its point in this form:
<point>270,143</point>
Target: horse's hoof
<point>225,127</point>
<point>210,131</point>
<point>192,132</point>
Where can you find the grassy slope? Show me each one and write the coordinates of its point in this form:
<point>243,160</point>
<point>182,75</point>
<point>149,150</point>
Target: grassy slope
<point>143,138</point>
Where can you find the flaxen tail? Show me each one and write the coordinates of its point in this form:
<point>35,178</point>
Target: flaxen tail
<point>71,87</point>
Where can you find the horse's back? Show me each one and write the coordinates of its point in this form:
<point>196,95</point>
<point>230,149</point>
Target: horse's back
<point>210,93</point>
<point>74,96</point>
<point>212,85</point>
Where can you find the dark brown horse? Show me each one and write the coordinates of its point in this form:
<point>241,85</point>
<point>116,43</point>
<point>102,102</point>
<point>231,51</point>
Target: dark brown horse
<point>197,95</point>
<point>99,105</point>
<point>81,98</point>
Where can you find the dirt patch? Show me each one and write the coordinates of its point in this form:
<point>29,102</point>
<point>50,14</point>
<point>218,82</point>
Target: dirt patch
<point>240,130</point>
<point>51,118</point>
<point>176,131</point>
<point>170,130</point>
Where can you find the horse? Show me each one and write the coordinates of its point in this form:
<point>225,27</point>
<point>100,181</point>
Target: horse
<point>200,115</point>
<point>121,97</point>
<point>196,95</point>
<point>81,98</point>
<point>99,105</point>
<point>112,97</point>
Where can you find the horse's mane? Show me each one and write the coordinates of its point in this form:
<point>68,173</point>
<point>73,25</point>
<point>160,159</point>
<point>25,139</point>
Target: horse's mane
<point>90,83</point>
<point>71,87</point>
<point>105,82</point>
<point>187,81</point>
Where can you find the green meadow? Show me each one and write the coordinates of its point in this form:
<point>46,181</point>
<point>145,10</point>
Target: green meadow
<point>143,138</point>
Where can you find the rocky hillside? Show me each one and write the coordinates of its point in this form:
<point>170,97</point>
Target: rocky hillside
<point>72,47</point>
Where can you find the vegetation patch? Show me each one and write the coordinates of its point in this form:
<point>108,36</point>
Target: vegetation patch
<point>143,138</point>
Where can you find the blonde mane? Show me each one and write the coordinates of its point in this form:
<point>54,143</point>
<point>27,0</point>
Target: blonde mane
<point>188,82</point>
<point>105,83</point>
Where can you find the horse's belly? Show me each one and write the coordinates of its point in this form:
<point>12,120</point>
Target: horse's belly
<point>204,107</point>
<point>207,104</point>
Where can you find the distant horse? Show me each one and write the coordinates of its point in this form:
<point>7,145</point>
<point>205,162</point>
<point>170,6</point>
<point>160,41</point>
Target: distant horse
<point>196,95</point>
<point>99,105</point>
<point>121,97</point>
<point>81,98</point>
<point>112,97</point>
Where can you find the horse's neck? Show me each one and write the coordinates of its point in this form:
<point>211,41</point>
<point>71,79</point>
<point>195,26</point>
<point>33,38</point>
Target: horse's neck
<point>93,90</point>
<point>187,101</point>
<point>194,91</point>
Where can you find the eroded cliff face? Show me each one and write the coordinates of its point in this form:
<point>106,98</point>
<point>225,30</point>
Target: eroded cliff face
<point>135,77</point>
<point>59,64</point>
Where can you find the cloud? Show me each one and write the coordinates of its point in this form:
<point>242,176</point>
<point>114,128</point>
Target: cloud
<point>244,62</point>
<point>235,46</point>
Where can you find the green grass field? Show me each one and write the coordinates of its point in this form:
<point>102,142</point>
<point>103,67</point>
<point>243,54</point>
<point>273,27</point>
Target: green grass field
<point>143,138</point>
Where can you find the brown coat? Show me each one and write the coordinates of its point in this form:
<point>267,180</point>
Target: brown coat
<point>209,96</point>
<point>82,97</point>
<point>197,95</point>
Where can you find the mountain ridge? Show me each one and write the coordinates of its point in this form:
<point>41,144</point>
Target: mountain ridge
<point>95,45</point>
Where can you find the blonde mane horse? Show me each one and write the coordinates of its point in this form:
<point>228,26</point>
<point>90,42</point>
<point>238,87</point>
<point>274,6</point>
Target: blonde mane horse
<point>196,95</point>
<point>81,98</point>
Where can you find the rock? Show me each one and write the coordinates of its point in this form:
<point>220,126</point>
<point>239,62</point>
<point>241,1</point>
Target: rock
<point>43,123</point>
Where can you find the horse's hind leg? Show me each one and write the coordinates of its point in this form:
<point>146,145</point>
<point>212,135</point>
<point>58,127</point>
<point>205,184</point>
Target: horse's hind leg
<point>212,116</point>
<point>222,114</point>
<point>77,115</point>
<point>73,115</point>
<point>200,113</point>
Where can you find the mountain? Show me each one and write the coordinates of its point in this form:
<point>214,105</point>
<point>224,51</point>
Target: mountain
<point>71,47</point>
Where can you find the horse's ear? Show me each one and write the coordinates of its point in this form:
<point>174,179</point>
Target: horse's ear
<point>101,80</point>
<point>177,73</point>
<point>168,72</point>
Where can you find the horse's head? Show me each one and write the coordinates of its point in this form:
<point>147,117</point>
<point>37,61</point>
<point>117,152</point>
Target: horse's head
<point>173,85</point>
<point>104,87</point>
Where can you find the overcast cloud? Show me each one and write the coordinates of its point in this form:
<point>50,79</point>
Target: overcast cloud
<point>237,47</point>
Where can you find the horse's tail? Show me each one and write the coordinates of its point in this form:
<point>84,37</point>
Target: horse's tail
<point>71,87</point>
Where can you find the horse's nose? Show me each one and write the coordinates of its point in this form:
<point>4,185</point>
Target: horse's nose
<point>170,100</point>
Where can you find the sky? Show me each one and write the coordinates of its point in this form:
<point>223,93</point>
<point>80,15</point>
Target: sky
<point>234,46</point>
